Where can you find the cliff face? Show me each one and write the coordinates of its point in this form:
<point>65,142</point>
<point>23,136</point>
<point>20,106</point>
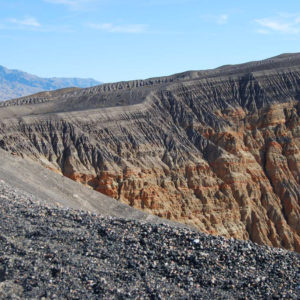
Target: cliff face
<point>216,149</point>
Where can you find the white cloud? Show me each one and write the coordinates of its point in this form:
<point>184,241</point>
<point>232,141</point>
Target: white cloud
<point>109,27</point>
<point>31,24</point>
<point>28,21</point>
<point>73,4</point>
<point>164,2</point>
<point>218,19</point>
<point>222,19</point>
<point>263,31</point>
<point>285,24</point>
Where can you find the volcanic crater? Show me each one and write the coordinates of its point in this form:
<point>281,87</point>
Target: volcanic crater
<point>217,150</point>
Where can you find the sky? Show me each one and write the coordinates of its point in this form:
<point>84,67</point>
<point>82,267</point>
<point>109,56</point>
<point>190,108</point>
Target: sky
<point>115,40</point>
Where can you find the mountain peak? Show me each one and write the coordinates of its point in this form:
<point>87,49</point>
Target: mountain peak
<point>16,83</point>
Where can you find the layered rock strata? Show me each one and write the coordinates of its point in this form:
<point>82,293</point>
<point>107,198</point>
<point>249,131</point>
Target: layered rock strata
<point>215,149</point>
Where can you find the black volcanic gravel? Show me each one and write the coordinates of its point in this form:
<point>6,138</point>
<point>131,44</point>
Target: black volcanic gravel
<point>51,253</point>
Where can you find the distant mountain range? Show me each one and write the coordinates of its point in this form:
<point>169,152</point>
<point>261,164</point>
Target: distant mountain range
<point>15,83</point>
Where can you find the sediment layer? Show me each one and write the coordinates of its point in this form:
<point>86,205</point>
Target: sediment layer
<point>218,149</point>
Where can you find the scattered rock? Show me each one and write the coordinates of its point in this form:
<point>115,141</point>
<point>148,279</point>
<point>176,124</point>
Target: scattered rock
<point>50,253</point>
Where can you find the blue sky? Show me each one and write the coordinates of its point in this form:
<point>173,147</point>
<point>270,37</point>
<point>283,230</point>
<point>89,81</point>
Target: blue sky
<point>114,40</point>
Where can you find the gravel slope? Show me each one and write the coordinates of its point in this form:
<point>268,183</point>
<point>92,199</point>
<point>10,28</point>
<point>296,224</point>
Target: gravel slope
<point>51,253</point>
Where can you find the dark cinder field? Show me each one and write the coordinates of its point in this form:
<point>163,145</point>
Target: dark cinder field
<point>51,253</point>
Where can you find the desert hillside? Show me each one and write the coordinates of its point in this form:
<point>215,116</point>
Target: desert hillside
<point>216,149</point>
